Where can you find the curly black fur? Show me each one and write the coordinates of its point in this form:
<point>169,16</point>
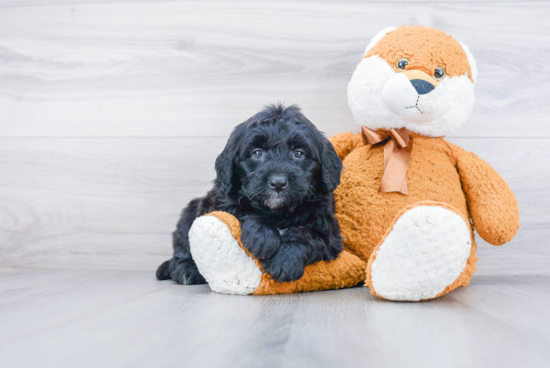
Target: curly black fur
<point>276,175</point>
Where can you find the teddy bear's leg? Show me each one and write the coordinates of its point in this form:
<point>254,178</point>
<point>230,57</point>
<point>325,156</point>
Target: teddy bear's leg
<point>222,261</point>
<point>230,269</point>
<point>424,255</point>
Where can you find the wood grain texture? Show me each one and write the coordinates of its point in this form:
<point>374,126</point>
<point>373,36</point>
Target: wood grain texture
<point>197,68</point>
<point>63,318</point>
<point>112,203</point>
<point>112,112</point>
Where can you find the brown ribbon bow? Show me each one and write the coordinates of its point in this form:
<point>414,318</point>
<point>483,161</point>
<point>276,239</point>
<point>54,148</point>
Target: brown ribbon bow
<point>397,154</point>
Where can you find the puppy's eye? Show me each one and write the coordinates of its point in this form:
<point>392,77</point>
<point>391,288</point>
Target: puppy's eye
<point>257,154</point>
<point>402,63</point>
<point>298,154</point>
<point>439,73</point>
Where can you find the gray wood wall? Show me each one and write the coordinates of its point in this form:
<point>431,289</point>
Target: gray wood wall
<point>112,112</point>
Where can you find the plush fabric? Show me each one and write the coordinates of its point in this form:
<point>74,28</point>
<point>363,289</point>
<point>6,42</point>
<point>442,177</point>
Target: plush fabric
<point>434,245</point>
<point>345,271</point>
<point>413,252</point>
<point>438,171</point>
<point>426,48</point>
<point>220,259</point>
<point>365,100</point>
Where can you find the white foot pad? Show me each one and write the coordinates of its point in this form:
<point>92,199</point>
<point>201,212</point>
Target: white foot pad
<point>424,253</point>
<point>223,263</point>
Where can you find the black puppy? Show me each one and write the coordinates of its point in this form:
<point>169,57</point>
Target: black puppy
<point>276,175</point>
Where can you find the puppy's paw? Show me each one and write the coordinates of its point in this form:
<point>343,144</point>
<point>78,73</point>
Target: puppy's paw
<point>284,269</point>
<point>163,272</point>
<point>185,272</point>
<point>261,241</point>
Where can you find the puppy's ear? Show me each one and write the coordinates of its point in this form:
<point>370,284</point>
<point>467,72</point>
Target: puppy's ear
<point>226,162</point>
<point>331,167</point>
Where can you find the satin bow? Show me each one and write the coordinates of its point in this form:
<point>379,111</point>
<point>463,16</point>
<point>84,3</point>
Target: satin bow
<point>397,154</point>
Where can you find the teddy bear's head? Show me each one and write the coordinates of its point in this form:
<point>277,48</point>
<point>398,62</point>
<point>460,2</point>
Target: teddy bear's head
<point>414,77</point>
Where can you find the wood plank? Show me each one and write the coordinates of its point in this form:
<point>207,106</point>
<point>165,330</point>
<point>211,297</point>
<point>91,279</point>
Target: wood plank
<point>122,318</point>
<point>499,303</point>
<point>194,68</point>
<point>388,334</point>
<point>112,203</point>
<point>93,292</point>
<point>80,202</point>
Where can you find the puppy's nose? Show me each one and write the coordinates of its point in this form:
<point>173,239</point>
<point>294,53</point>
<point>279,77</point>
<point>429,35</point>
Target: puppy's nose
<point>278,182</point>
<point>421,81</point>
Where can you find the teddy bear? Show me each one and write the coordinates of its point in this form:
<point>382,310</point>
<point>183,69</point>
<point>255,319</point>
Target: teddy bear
<point>408,201</point>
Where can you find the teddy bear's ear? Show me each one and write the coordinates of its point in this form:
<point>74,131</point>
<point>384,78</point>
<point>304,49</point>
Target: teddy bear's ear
<point>377,38</point>
<point>471,61</point>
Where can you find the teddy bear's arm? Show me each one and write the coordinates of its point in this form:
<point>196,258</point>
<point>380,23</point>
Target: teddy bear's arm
<point>492,204</point>
<point>344,143</point>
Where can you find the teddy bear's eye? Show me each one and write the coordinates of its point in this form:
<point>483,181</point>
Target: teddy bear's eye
<point>402,63</point>
<point>439,73</point>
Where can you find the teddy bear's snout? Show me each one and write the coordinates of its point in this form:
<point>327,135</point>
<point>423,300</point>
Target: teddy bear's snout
<point>415,96</point>
<point>421,81</point>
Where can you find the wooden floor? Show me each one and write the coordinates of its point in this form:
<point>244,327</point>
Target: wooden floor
<point>94,318</point>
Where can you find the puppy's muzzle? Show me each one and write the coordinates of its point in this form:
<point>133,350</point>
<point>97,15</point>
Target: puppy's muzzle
<point>415,96</point>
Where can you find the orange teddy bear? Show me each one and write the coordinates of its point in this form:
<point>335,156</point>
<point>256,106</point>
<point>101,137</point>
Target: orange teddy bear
<point>408,200</point>
<point>407,195</point>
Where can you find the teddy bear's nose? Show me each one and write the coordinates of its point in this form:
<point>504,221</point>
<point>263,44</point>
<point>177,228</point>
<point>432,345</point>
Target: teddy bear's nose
<point>421,81</point>
<point>422,86</point>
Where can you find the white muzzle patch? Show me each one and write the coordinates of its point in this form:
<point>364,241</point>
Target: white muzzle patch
<point>402,98</point>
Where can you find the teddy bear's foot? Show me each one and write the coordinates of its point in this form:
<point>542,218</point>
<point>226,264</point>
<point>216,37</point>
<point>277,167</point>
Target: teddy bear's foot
<point>230,269</point>
<point>225,265</point>
<point>423,256</point>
